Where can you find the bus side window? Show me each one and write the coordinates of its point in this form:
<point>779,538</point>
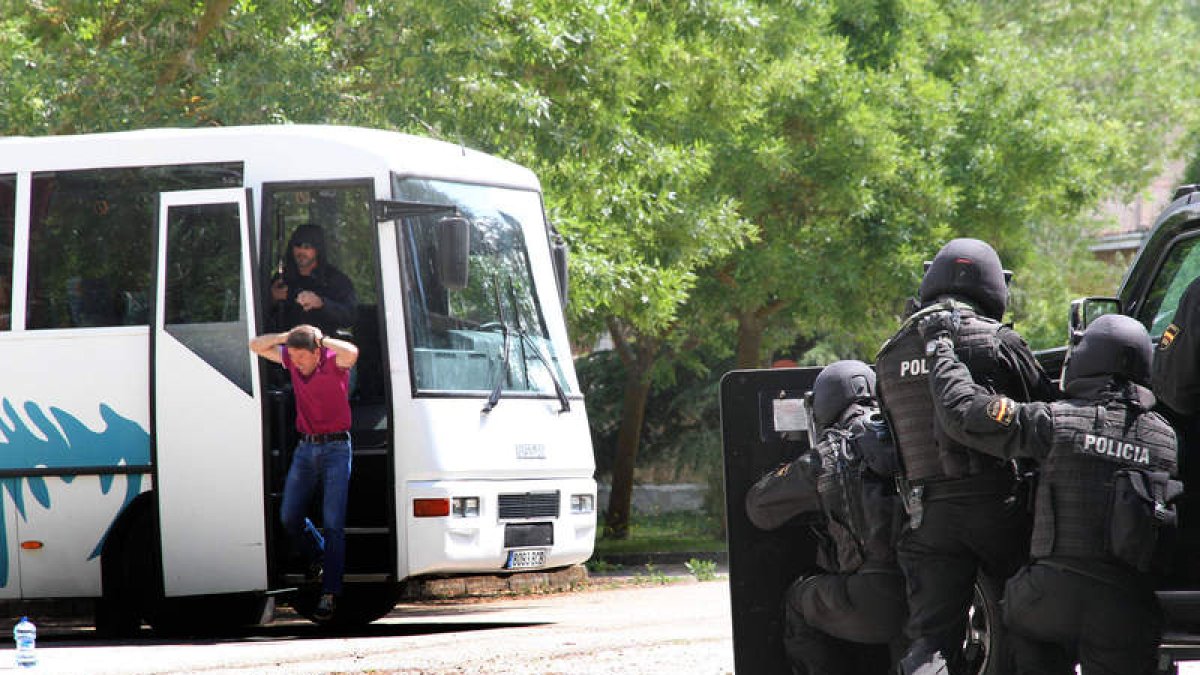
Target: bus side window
<point>8,200</point>
<point>91,239</point>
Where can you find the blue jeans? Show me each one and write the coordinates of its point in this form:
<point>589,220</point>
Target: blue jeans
<point>329,465</point>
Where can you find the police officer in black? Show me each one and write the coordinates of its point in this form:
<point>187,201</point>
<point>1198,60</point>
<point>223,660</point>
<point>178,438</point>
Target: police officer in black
<point>964,515</point>
<point>1103,492</point>
<point>310,290</point>
<point>831,620</point>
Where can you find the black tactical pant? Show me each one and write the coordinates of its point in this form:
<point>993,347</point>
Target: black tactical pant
<point>958,538</point>
<point>845,623</point>
<point>1057,618</point>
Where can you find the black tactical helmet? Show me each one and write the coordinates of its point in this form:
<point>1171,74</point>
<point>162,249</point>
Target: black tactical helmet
<point>838,385</point>
<point>1113,344</point>
<point>969,268</point>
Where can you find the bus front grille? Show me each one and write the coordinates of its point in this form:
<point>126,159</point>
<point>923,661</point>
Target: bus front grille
<point>529,505</point>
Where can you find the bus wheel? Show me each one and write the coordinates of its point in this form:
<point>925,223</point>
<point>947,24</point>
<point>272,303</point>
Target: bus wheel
<point>983,646</point>
<point>128,573</point>
<point>359,605</point>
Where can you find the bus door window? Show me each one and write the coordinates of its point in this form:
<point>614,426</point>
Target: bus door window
<point>203,307</point>
<point>8,200</point>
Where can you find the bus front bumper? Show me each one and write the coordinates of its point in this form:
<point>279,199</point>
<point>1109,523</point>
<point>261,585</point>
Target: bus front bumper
<point>474,527</point>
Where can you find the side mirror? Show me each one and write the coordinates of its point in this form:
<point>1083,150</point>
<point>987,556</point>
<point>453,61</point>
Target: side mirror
<point>453,252</point>
<point>1084,311</point>
<point>558,255</point>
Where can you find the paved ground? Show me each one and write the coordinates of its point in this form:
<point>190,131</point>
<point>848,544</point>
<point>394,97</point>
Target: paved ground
<point>657,623</point>
<point>635,620</point>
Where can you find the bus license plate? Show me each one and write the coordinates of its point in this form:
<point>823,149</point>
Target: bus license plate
<point>526,558</point>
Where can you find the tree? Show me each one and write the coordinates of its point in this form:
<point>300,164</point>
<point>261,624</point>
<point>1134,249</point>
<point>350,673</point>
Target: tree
<point>945,119</point>
<point>729,174</point>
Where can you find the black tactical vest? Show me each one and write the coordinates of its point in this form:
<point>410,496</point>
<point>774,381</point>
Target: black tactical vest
<point>861,507</point>
<point>1092,441</point>
<point>902,370</point>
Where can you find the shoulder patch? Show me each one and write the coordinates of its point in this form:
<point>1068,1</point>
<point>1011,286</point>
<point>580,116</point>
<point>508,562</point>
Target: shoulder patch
<point>1168,336</point>
<point>1002,410</point>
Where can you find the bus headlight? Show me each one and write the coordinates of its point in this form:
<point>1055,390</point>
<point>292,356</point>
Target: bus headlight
<point>465,507</point>
<point>583,503</point>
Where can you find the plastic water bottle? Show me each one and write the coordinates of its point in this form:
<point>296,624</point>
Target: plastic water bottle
<point>25,634</point>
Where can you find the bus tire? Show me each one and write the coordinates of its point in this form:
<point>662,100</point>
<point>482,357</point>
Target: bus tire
<point>127,564</point>
<point>984,644</point>
<point>359,605</point>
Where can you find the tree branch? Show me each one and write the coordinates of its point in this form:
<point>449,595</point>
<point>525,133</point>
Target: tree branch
<point>214,10</point>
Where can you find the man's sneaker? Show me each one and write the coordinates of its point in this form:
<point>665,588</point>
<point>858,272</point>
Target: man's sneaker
<point>325,607</point>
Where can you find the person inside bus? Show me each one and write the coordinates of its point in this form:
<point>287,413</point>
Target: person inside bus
<point>319,367</point>
<point>311,290</point>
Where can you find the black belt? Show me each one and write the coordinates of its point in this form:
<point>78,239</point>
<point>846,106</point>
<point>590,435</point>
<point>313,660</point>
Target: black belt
<point>990,483</point>
<point>325,438</point>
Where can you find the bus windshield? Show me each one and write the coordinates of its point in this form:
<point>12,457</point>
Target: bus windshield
<point>492,333</point>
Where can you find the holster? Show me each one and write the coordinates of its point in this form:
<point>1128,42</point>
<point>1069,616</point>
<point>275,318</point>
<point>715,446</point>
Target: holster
<point>913,499</point>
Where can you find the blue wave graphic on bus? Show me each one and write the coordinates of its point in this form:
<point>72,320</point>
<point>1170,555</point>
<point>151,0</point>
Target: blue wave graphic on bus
<point>64,442</point>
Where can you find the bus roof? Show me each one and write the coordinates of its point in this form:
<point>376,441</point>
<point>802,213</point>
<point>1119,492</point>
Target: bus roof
<point>355,149</point>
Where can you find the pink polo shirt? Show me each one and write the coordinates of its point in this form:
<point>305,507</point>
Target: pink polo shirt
<point>322,401</point>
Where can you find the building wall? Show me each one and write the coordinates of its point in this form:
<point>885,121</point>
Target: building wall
<point>1132,220</point>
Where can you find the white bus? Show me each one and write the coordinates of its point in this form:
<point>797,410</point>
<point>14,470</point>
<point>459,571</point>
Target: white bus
<point>144,447</point>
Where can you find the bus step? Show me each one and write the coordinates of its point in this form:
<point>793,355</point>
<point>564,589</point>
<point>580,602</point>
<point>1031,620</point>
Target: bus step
<point>350,577</point>
<point>367,530</point>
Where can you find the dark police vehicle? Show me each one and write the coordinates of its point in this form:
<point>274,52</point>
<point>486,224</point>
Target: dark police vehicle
<point>765,422</point>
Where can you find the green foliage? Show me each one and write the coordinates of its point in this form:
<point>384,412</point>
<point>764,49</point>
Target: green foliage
<point>681,434</point>
<point>601,566</point>
<point>703,570</point>
<point>931,120</point>
<point>675,531</point>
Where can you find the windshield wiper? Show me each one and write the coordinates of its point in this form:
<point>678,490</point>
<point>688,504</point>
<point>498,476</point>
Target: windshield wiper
<point>494,397</point>
<point>526,340</point>
<point>537,351</point>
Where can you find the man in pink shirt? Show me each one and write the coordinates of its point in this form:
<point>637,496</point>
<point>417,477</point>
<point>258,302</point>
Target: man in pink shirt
<point>320,370</point>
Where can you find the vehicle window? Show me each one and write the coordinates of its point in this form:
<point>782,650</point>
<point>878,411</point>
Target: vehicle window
<point>91,238</point>
<point>8,202</point>
<point>343,211</point>
<point>458,336</point>
<point>1181,267</point>
<point>203,308</point>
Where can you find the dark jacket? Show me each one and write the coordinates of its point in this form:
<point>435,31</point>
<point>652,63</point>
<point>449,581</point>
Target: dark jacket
<point>336,291</point>
<point>998,359</point>
<point>1102,427</point>
<point>848,479</point>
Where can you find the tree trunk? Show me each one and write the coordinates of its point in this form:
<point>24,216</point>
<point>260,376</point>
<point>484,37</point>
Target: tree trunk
<point>633,415</point>
<point>749,340</point>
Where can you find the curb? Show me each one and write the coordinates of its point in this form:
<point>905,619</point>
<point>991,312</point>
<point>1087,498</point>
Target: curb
<point>671,558</point>
<point>482,586</point>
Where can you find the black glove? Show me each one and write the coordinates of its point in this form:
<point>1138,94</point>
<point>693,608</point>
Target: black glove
<point>939,326</point>
<point>943,323</point>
